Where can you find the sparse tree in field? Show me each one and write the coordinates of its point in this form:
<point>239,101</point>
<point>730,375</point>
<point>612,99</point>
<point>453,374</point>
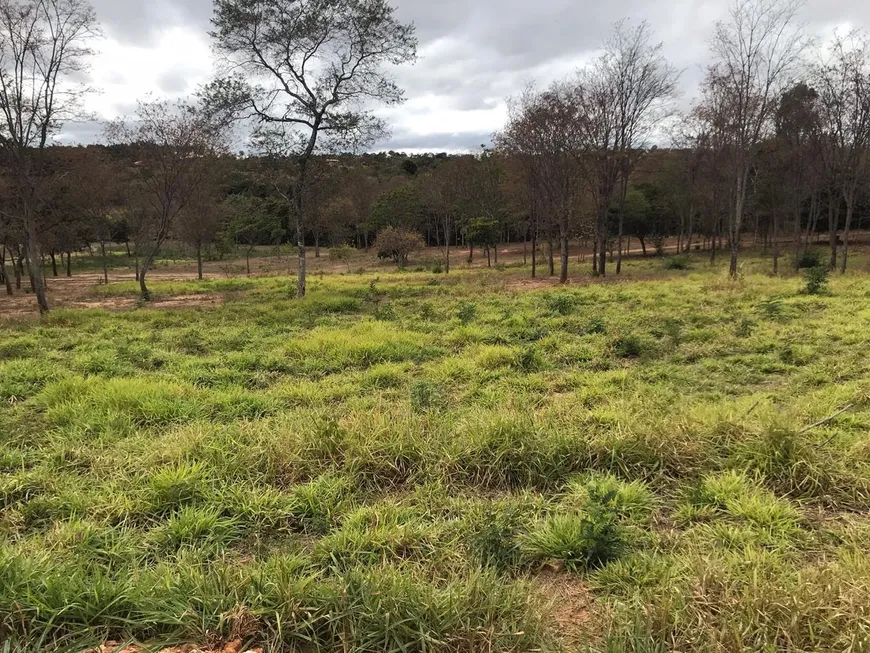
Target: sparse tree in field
<point>484,232</point>
<point>542,132</point>
<point>842,81</point>
<point>201,221</point>
<point>97,195</point>
<point>797,136</point>
<point>363,191</point>
<point>44,48</point>
<point>440,192</point>
<point>755,50</point>
<point>306,73</point>
<point>643,85</point>
<point>398,244</point>
<point>175,145</point>
<point>250,223</point>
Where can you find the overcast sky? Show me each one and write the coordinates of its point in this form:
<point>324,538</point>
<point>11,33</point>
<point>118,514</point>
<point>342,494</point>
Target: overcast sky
<point>473,54</point>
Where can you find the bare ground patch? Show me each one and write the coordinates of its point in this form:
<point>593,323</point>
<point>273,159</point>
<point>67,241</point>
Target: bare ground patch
<point>571,605</point>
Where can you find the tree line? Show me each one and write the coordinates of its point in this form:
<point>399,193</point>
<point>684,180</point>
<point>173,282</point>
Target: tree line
<point>775,146</point>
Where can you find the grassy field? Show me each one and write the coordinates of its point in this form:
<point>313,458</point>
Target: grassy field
<point>423,462</point>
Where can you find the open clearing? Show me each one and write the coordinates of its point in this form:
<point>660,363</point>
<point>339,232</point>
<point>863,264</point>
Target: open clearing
<point>425,462</point>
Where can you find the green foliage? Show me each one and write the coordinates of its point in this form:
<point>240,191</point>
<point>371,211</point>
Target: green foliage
<point>811,258</point>
<point>678,262</point>
<point>342,253</point>
<point>561,303</point>
<point>581,541</point>
<point>496,538</point>
<point>466,312</point>
<point>816,279</point>
<point>485,232</point>
<point>400,209</point>
<point>631,346</point>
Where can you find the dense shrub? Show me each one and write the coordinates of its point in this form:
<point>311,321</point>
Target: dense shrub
<point>816,279</point>
<point>467,312</point>
<point>812,258</point>
<point>678,262</point>
<point>398,244</point>
<point>585,540</point>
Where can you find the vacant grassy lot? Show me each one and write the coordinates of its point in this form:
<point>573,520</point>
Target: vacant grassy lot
<point>422,462</point>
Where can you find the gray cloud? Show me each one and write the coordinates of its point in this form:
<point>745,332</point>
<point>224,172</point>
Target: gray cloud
<point>474,53</point>
<point>140,21</point>
<point>440,142</point>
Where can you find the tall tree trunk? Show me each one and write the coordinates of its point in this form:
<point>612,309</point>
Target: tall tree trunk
<point>53,256</point>
<point>813,222</point>
<point>6,280</point>
<point>105,263</point>
<point>595,255</point>
<point>563,240</point>
<point>18,266</point>
<point>736,222</point>
<point>488,257</point>
<point>833,226</point>
<point>690,227</point>
<point>534,253</point>
<point>127,245</point>
<point>143,271</point>
<point>551,253</point>
<point>37,281</point>
<point>796,231</point>
<point>602,240</point>
<point>776,241</point>
<point>199,260</point>
<point>69,265</point>
<point>447,245</point>
<point>317,244</point>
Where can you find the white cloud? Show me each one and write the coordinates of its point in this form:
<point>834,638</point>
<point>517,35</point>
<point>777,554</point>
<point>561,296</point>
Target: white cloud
<point>172,67</point>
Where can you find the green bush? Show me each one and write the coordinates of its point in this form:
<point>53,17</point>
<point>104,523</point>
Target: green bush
<point>495,542</point>
<point>678,262</point>
<point>816,279</point>
<point>467,312</point>
<point>630,346</point>
<point>812,258</point>
<point>528,359</point>
<point>561,303</point>
<point>585,540</point>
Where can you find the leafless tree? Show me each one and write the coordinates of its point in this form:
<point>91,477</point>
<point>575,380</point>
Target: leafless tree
<point>796,157</point>
<point>439,190</point>
<point>175,145</point>
<point>542,131</point>
<point>44,45</point>
<point>306,74</point>
<point>200,222</point>
<point>756,50</point>
<point>842,80</point>
<point>644,85</point>
<point>97,192</point>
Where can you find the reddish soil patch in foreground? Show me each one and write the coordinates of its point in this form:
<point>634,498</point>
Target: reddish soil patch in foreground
<point>572,606</point>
